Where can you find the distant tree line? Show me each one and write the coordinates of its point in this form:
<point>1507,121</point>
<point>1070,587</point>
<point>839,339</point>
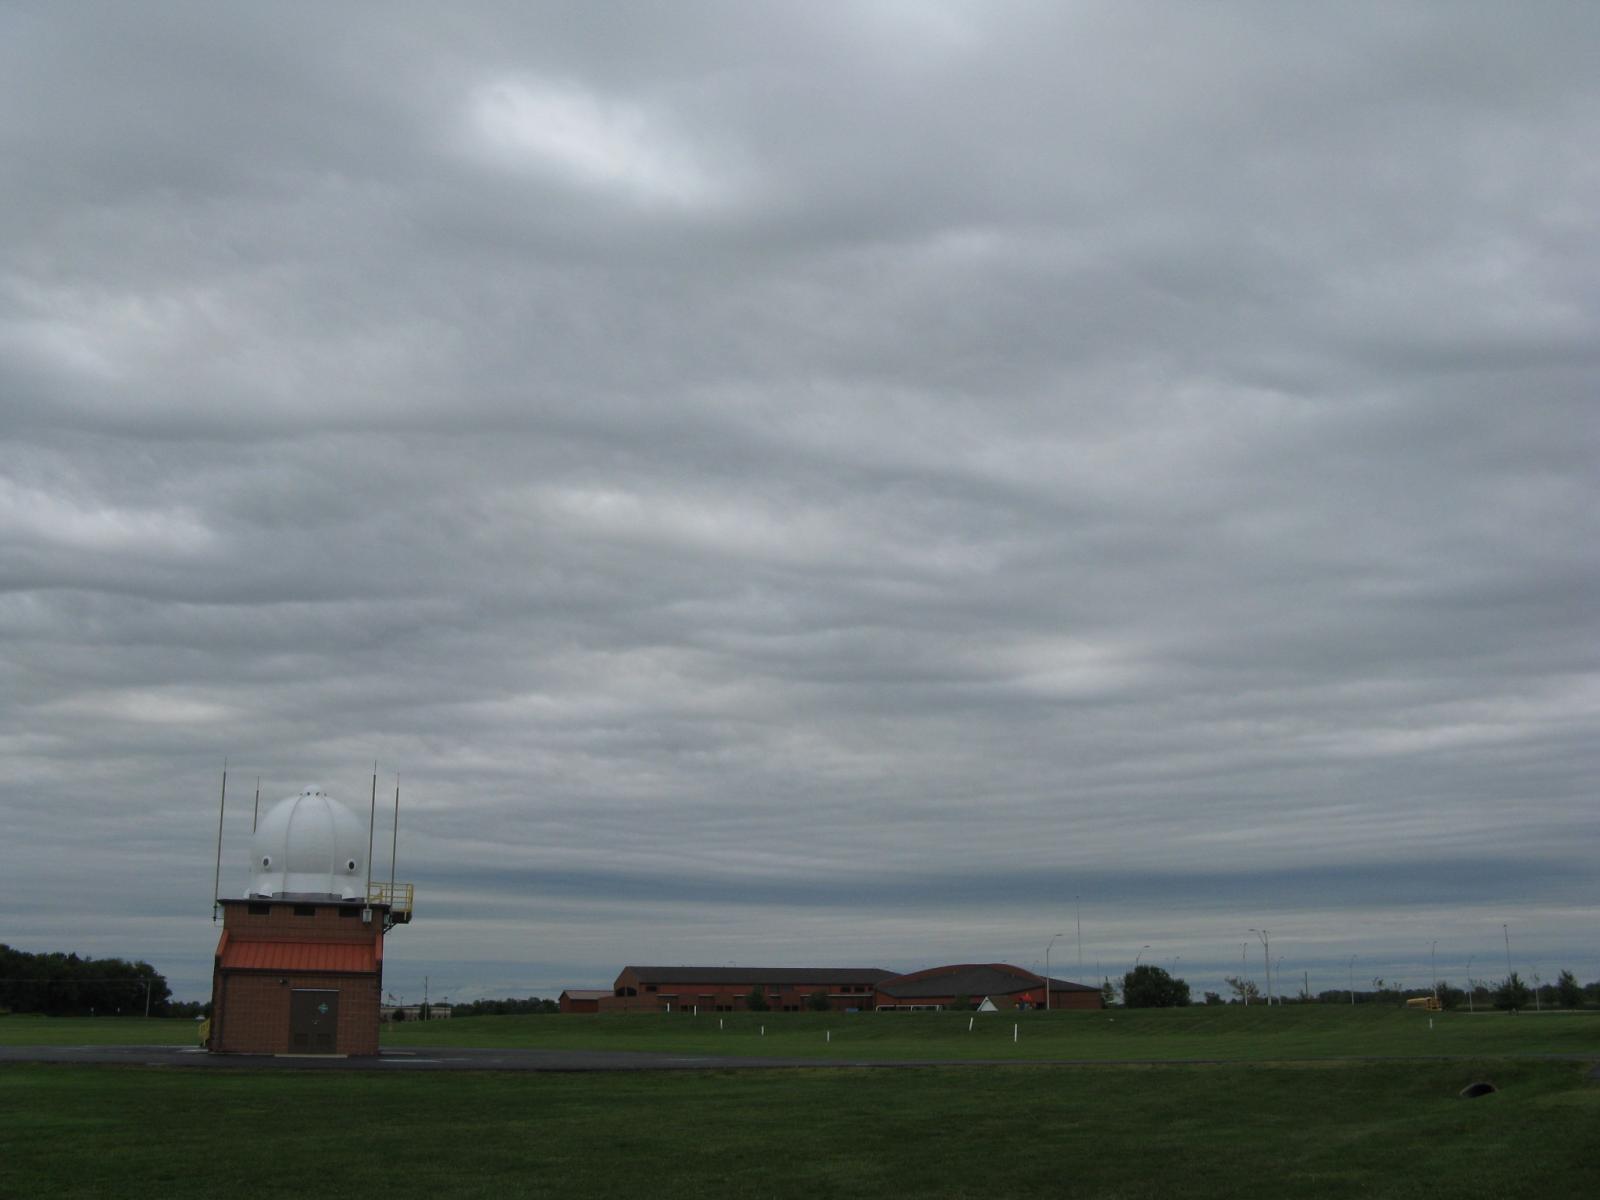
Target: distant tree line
<point>1509,994</point>
<point>69,985</point>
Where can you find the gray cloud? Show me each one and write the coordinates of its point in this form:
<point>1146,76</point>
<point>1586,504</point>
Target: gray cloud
<point>963,459</point>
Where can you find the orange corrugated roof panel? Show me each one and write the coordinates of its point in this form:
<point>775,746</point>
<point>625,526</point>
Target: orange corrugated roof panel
<point>341,957</point>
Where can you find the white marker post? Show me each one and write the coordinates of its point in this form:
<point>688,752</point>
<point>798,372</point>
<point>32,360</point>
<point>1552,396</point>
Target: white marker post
<point>1014,1029</point>
<point>970,1020</point>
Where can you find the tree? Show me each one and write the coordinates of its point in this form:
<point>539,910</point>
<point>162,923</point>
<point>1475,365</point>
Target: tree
<point>1108,992</point>
<point>1244,989</point>
<point>1512,994</point>
<point>818,1001</point>
<point>1213,998</point>
<point>67,985</point>
<point>756,1001</point>
<point>1568,991</point>
<point>1150,986</point>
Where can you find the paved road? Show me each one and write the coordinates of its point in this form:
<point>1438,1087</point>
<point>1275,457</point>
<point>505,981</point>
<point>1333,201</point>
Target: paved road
<point>455,1058</point>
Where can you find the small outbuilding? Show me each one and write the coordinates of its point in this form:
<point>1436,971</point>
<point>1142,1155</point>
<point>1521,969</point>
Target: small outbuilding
<point>299,966</point>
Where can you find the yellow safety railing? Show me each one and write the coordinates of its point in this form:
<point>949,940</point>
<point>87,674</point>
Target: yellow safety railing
<point>396,897</point>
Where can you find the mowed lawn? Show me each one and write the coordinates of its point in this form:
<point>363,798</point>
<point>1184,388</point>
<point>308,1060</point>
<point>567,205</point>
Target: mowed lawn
<point>1255,1034</point>
<point>1330,1130</point>
<point>27,1029</point>
<point>1232,1033</point>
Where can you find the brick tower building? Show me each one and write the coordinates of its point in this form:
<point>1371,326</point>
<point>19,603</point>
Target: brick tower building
<point>299,965</point>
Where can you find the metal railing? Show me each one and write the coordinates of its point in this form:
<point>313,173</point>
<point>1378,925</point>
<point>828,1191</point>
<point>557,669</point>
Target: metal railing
<point>396,897</point>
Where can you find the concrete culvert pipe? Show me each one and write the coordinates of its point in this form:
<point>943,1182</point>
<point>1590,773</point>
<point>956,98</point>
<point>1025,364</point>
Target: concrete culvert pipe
<point>1473,1090</point>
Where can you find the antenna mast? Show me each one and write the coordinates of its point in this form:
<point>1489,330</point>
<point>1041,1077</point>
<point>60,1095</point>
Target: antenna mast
<point>256,812</point>
<point>222,807</point>
<point>394,844</point>
<point>372,815</point>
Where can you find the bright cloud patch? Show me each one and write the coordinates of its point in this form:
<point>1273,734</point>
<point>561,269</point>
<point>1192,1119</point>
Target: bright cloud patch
<point>30,515</point>
<point>588,141</point>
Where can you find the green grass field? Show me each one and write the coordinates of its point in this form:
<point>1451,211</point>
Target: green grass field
<point>26,1029</point>
<point>1256,1034</point>
<point>1231,1033</point>
<point>1282,1115</point>
<point>1332,1130</point>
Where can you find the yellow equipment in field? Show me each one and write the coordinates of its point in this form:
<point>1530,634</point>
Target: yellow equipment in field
<point>1428,1003</point>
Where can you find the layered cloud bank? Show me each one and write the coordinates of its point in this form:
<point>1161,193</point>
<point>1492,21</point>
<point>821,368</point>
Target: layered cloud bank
<point>858,486</point>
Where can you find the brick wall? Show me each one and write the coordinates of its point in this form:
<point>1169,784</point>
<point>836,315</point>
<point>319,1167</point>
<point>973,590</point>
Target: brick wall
<point>326,924</point>
<point>250,1009</point>
<point>255,1011</point>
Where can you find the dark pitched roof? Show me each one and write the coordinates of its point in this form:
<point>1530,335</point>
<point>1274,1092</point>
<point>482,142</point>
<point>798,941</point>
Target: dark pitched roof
<point>975,980</point>
<point>748,976</point>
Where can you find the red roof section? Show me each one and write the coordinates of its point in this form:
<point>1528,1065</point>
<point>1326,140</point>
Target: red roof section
<point>340,957</point>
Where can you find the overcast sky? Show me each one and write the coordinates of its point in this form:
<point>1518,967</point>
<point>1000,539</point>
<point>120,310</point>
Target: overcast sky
<point>809,484</point>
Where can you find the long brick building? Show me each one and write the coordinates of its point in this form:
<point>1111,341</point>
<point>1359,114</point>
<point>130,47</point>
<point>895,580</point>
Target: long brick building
<point>842,989</point>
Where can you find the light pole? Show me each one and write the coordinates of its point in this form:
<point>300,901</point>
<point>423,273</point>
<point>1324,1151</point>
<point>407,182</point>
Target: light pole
<point>1077,904</point>
<point>1243,967</point>
<point>1352,981</point>
<point>1507,935</point>
<point>1433,967</point>
<point>1470,957</point>
<point>1266,958</point>
<point>1047,971</point>
<point>1140,955</point>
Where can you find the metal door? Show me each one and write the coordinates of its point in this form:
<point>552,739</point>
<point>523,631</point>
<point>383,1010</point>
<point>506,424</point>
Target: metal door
<point>313,1021</point>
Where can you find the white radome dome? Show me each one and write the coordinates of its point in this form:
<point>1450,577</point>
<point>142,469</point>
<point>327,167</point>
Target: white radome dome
<point>309,845</point>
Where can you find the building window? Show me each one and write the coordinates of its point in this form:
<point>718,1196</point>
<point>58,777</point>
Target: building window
<point>305,910</point>
<point>351,911</point>
<point>260,910</point>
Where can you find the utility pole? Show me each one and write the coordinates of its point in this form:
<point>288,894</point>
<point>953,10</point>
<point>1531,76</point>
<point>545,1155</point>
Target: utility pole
<point>1077,903</point>
<point>1507,934</point>
<point>1433,967</point>
<point>1266,958</point>
<point>1053,941</point>
<point>1352,981</point>
<point>1470,988</point>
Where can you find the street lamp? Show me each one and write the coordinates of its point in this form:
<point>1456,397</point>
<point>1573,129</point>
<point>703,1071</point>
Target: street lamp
<point>1077,903</point>
<point>1352,980</point>
<point>1047,970</point>
<point>1243,946</point>
<point>1433,967</point>
<point>1266,958</point>
<point>1140,955</point>
<point>1470,989</point>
